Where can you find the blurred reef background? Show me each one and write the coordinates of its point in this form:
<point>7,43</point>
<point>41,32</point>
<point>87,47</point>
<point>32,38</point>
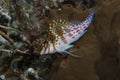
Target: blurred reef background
<point>23,26</point>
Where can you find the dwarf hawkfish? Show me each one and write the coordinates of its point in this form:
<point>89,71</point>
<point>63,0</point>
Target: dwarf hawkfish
<point>65,34</point>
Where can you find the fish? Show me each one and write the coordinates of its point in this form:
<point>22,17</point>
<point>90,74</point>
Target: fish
<point>62,35</point>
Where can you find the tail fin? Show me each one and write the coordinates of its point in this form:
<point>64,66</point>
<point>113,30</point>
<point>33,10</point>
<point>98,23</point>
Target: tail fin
<point>89,19</point>
<point>87,22</point>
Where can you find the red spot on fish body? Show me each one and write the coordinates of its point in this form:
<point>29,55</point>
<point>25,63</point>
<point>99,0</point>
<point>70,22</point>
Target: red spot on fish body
<point>70,34</point>
<point>73,37</point>
<point>78,30</point>
<point>64,40</point>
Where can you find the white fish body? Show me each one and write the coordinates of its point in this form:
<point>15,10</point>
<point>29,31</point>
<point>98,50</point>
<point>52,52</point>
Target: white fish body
<point>63,43</point>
